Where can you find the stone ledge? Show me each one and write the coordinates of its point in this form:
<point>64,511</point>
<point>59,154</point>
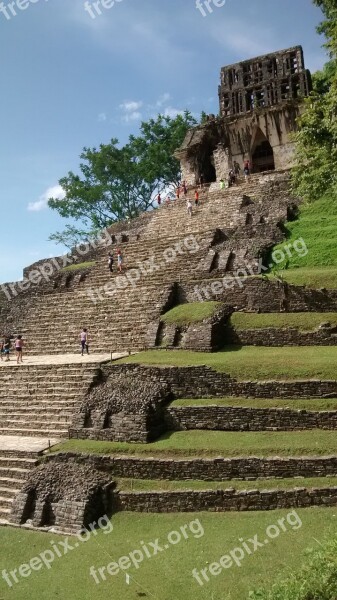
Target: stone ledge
<point>224,500</point>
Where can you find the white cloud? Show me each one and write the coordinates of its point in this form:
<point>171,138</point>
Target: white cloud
<point>134,116</point>
<point>131,106</point>
<point>163,99</point>
<point>172,112</point>
<point>55,191</point>
<point>102,117</point>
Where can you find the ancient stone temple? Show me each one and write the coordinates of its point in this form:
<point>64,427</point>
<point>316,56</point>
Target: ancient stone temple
<point>260,100</point>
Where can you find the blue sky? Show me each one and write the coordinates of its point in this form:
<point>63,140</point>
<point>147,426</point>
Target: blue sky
<point>69,80</point>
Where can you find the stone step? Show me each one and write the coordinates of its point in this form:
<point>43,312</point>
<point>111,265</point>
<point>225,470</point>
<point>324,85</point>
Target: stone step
<point>8,492</point>
<point>16,462</point>
<point>34,432</point>
<point>10,483</point>
<point>6,502</point>
<point>33,423</point>
<point>4,513</point>
<point>14,472</point>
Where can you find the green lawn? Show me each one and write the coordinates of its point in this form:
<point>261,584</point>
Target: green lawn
<point>303,321</point>
<point>77,267</point>
<point>316,580</point>
<point>144,485</point>
<point>252,363</point>
<point>168,575</point>
<point>311,277</point>
<point>193,312</point>
<point>217,443</point>
<point>317,226</point>
<point>285,403</point>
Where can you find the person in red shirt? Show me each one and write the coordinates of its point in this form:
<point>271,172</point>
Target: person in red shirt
<point>196,198</point>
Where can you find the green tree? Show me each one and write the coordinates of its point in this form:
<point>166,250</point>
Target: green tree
<point>316,140</point>
<point>118,183</point>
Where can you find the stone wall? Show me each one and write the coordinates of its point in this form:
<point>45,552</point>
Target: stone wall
<point>205,336</point>
<point>227,418</point>
<point>204,382</point>
<point>211,469</point>
<point>122,407</point>
<point>224,500</point>
<point>261,295</point>
<point>66,496</point>
<point>290,336</point>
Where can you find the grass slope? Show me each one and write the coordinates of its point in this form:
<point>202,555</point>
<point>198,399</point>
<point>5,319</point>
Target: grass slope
<point>252,363</point>
<point>77,267</point>
<point>168,575</point>
<point>217,443</point>
<point>318,277</point>
<point>317,579</point>
<point>308,321</point>
<point>317,226</point>
<point>193,312</point>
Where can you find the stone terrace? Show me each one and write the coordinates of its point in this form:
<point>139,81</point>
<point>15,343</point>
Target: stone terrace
<point>231,227</point>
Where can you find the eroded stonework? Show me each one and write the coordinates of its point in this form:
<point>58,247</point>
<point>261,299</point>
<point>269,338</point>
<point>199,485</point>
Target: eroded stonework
<point>260,101</point>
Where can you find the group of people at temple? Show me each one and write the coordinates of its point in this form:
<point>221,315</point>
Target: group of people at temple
<point>235,174</point>
<point>6,346</point>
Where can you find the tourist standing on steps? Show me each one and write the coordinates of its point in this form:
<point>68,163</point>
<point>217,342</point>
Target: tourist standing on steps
<point>110,262</point>
<point>120,261</point>
<point>84,340</point>
<point>7,347</point>
<point>237,169</point>
<point>19,348</point>
<point>231,178</point>
<point>246,169</point>
<point>184,188</point>
<point>159,199</point>
<point>196,198</point>
<point>189,207</point>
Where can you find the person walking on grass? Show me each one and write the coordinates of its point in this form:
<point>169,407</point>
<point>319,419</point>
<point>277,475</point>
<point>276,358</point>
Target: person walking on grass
<point>84,340</point>
<point>18,348</point>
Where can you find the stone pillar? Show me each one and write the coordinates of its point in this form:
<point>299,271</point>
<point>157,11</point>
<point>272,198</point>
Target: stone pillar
<point>188,171</point>
<point>222,162</point>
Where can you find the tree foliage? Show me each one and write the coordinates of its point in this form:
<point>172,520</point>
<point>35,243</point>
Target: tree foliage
<point>316,140</point>
<point>117,183</point>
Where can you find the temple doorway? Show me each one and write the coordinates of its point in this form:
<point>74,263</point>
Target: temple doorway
<point>262,154</point>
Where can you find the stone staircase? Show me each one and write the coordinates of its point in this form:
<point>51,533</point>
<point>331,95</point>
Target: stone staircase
<point>50,318</point>
<point>14,471</point>
<point>40,400</point>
